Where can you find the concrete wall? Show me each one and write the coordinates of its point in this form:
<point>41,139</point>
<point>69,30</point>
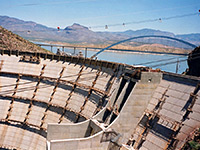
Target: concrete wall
<point>90,143</point>
<point>67,131</point>
<point>127,119</point>
<point>135,105</point>
<point>78,130</point>
<point>145,96</point>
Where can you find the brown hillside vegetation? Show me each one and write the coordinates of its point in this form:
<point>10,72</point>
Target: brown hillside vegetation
<point>11,41</point>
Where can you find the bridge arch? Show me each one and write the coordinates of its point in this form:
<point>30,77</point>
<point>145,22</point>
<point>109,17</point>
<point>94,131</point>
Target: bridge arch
<point>145,36</point>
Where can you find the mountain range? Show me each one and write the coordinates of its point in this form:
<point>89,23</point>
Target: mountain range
<point>76,33</point>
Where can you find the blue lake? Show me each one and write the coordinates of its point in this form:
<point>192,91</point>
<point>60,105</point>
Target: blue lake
<point>164,62</point>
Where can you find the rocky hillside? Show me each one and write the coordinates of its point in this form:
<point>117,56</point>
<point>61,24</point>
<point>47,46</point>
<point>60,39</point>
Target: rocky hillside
<point>11,41</point>
<point>193,62</point>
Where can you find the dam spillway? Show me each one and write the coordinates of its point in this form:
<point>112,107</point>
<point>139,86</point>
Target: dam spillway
<point>52,102</point>
<point>36,93</point>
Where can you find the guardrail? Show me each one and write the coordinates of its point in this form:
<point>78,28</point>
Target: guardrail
<point>84,48</point>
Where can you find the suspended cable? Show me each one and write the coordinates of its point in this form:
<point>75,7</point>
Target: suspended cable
<point>180,16</point>
<point>161,19</point>
<point>168,63</point>
<point>161,60</point>
<point>172,62</point>
<point>155,61</point>
<point>149,20</point>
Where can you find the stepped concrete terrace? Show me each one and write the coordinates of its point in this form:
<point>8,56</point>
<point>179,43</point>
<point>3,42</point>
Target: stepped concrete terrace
<point>37,89</point>
<point>56,102</point>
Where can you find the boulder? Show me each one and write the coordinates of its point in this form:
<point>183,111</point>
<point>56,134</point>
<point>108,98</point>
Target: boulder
<point>194,62</point>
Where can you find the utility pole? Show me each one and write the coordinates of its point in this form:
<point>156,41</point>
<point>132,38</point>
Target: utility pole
<point>74,50</point>
<point>177,65</point>
<point>86,52</point>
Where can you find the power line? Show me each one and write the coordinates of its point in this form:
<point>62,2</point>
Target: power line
<point>139,12</point>
<point>155,61</point>
<point>173,62</point>
<point>146,21</point>
<point>167,63</point>
<point>163,60</point>
<point>119,24</point>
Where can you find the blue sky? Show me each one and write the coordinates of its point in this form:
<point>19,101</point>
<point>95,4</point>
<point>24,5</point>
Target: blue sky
<point>93,13</point>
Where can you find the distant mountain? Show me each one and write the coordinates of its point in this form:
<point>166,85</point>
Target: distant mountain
<point>193,38</point>
<point>77,27</point>
<point>77,33</point>
<point>20,25</point>
<point>147,32</point>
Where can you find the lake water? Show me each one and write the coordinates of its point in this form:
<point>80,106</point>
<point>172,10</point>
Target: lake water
<point>164,62</point>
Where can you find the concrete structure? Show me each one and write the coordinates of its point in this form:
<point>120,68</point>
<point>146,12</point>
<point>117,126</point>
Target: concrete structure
<point>37,89</point>
<point>60,102</point>
<point>160,112</point>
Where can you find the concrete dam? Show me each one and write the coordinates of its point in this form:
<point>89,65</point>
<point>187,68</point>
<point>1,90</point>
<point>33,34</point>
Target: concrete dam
<point>54,102</point>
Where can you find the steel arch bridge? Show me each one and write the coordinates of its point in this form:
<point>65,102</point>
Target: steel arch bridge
<point>145,36</point>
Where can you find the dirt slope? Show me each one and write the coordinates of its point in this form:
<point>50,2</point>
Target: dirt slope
<point>11,41</point>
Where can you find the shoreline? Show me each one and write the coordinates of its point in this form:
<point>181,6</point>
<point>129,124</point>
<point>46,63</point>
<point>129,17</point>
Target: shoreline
<point>121,50</point>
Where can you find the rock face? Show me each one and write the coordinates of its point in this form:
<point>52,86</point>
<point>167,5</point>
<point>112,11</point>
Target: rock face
<point>11,41</point>
<point>193,62</point>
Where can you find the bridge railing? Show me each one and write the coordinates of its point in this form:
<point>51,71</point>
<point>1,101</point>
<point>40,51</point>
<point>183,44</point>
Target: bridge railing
<point>89,51</point>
